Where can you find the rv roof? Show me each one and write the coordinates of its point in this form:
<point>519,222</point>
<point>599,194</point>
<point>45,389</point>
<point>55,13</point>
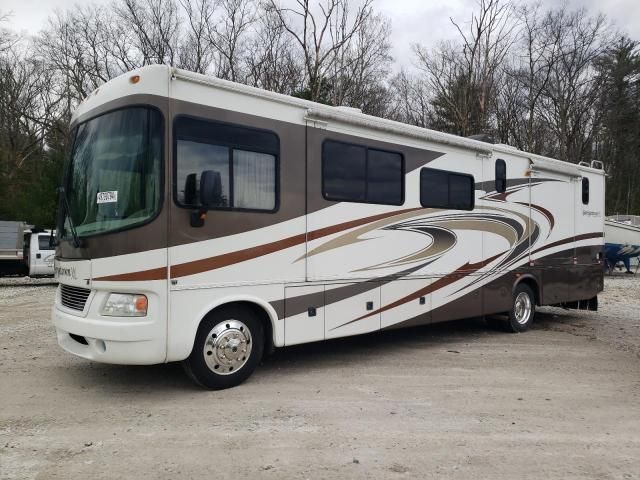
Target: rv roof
<point>311,112</point>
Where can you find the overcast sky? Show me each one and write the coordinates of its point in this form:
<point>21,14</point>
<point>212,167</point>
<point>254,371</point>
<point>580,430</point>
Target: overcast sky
<point>414,21</point>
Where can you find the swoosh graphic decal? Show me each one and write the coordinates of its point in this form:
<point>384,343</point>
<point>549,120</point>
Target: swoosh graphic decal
<point>302,302</point>
<point>224,260</point>
<point>462,272</point>
<point>353,237</point>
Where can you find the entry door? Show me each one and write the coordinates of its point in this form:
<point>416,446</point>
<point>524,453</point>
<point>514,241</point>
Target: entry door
<point>552,211</point>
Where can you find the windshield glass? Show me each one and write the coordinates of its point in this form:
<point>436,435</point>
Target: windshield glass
<point>114,171</point>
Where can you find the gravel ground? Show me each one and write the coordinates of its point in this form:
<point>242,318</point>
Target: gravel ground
<point>25,281</point>
<point>453,400</point>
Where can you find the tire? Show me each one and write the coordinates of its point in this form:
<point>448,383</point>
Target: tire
<point>517,320</point>
<point>523,309</point>
<point>228,347</point>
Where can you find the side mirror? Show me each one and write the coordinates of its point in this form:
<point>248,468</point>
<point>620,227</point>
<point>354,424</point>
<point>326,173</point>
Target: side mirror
<point>210,189</point>
<point>210,196</point>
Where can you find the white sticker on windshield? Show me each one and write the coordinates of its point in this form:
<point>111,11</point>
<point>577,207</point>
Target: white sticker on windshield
<point>108,197</point>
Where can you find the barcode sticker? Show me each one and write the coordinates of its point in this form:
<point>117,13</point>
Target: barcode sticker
<point>108,197</point>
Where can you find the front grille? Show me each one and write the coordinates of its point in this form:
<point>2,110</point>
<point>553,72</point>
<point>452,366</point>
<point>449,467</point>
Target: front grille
<point>74,297</point>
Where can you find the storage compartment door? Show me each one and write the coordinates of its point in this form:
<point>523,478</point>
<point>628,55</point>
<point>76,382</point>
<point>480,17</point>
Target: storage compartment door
<point>408,306</point>
<point>304,314</point>
<point>351,309</point>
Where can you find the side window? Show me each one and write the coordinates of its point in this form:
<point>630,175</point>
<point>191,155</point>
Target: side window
<point>245,159</point>
<point>353,173</point>
<point>43,242</point>
<point>585,190</point>
<point>447,190</point>
<point>501,176</point>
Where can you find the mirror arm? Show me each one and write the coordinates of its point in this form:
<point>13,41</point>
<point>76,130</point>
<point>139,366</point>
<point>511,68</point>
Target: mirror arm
<point>198,217</point>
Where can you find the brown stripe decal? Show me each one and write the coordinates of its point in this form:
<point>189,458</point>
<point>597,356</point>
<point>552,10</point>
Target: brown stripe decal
<point>219,261</point>
<point>145,275</point>
<point>577,238</point>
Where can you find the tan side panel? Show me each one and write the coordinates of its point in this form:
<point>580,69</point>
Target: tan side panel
<point>222,223</point>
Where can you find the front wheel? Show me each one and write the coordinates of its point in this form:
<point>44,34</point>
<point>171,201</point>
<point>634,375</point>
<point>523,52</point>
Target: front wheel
<point>228,347</point>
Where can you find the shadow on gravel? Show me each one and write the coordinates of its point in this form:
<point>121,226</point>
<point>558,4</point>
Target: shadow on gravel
<point>119,379</point>
<point>343,352</point>
<point>126,379</point>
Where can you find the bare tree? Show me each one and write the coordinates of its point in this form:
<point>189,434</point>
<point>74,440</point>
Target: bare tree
<point>311,27</point>
<point>463,79</point>
<point>27,108</point>
<point>155,24</point>
<point>411,100</point>
<point>361,65</point>
<point>229,35</point>
<point>271,61</point>
<point>569,98</point>
<point>196,52</point>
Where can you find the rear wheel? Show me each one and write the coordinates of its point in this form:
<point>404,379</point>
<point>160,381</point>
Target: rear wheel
<point>523,309</point>
<point>228,347</point>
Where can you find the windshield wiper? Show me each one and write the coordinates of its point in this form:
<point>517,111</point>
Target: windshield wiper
<point>67,210</point>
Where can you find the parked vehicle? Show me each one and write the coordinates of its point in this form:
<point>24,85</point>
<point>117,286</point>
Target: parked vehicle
<point>39,253</point>
<point>622,240</point>
<point>207,222</point>
<point>11,246</point>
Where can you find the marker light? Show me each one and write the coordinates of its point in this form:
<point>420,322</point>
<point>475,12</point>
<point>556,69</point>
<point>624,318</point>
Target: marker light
<point>125,305</point>
<point>134,79</point>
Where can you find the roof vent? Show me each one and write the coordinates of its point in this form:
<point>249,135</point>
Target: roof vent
<point>348,109</point>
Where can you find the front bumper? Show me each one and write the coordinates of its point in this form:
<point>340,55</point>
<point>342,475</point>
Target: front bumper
<point>125,341</point>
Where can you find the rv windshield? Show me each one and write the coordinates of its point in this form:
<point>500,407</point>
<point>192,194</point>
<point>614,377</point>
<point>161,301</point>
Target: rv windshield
<point>114,173</point>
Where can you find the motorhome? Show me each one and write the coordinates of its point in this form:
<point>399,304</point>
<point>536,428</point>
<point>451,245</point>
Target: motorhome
<point>208,222</point>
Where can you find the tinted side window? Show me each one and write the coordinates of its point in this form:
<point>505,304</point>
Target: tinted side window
<point>501,176</point>
<point>461,190</point>
<point>449,190</point>
<point>384,177</point>
<point>434,188</point>
<point>585,190</point>
<point>344,170</point>
<point>245,159</point>
<point>354,173</point>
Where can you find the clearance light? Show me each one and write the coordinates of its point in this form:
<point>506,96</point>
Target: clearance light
<point>134,79</point>
<point>125,305</point>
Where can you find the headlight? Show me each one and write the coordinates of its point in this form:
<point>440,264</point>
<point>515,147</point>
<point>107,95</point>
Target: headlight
<point>125,305</point>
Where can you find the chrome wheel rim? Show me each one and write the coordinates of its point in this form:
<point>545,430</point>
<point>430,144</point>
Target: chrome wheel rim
<point>522,308</point>
<point>227,347</point>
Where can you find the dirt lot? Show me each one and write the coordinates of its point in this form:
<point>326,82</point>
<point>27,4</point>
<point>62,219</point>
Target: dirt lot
<point>447,401</point>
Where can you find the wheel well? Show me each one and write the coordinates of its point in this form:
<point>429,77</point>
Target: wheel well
<point>533,285</point>
<point>260,313</point>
